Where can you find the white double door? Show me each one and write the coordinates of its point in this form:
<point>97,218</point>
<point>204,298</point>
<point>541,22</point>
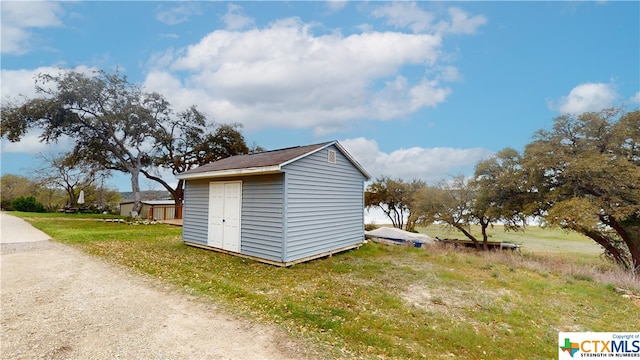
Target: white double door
<point>225,199</point>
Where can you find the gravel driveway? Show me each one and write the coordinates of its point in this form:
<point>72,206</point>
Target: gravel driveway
<point>58,303</point>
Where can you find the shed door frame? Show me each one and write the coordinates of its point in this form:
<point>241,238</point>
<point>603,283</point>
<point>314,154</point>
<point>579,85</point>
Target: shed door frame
<point>225,205</point>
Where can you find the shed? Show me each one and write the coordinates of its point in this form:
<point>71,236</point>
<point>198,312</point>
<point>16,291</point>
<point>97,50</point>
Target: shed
<point>151,209</point>
<point>280,207</point>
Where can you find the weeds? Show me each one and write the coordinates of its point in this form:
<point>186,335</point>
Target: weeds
<point>596,270</point>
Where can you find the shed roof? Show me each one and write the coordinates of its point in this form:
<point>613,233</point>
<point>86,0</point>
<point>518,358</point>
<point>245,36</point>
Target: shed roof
<point>261,163</point>
<point>151,202</point>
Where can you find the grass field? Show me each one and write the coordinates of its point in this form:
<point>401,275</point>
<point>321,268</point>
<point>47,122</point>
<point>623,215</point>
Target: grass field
<point>534,239</point>
<point>389,301</point>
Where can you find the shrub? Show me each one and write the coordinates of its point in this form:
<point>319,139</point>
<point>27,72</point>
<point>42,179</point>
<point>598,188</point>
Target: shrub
<point>370,227</point>
<point>27,204</point>
<point>5,204</point>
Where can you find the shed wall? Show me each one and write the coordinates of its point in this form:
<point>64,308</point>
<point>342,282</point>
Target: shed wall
<point>262,222</point>
<point>125,210</point>
<point>324,204</point>
<point>195,214</point>
<point>261,214</point>
<point>161,212</point>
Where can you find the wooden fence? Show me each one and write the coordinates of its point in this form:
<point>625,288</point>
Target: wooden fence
<point>165,212</point>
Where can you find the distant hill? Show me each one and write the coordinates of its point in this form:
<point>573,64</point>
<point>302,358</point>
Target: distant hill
<point>146,195</point>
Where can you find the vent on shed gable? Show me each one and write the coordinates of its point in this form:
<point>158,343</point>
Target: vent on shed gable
<point>332,157</point>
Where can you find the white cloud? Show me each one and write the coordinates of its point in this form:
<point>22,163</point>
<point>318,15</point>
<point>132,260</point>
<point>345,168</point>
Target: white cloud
<point>31,144</point>
<point>178,14</point>
<point>18,85</point>
<point>410,15</point>
<point>365,28</point>
<point>636,98</point>
<point>461,23</point>
<point>235,20</point>
<point>397,98</point>
<point>285,76</point>
<point>15,85</point>
<point>405,15</point>
<point>336,5</point>
<point>19,18</point>
<point>169,36</point>
<point>587,97</point>
<point>428,164</point>
<point>450,74</point>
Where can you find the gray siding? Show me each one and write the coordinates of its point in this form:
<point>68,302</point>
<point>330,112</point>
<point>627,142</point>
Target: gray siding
<point>262,224</point>
<point>324,204</point>
<point>196,211</point>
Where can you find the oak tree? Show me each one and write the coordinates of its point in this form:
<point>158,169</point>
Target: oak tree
<point>107,118</point>
<point>450,203</point>
<point>585,173</point>
<point>188,141</point>
<point>495,193</point>
<point>71,173</point>
<point>501,193</point>
<point>114,124</point>
<point>394,198</point>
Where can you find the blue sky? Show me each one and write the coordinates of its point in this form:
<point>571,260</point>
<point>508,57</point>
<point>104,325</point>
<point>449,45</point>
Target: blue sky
<point>411,89</point>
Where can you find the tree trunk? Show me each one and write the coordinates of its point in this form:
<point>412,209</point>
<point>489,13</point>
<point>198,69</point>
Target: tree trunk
<point>72,196</point>
<point>135,187</point>
<point>178,197</point>
<point>634,249</point>
<point>392,214</point>
<point>398,222</point>
<point>607,244</point>
<point>177,193</point>
<point>485,237</point>
<point>468,235</point>
<point>629,231</point>
<point>632,239</point>
<point>411,222</point>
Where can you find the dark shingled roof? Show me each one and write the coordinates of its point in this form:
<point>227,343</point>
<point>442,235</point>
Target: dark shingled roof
<point>267,158</point>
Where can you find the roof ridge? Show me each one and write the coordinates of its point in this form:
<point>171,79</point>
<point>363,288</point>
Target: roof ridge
<point>291,147</point>
<point>267,151</point>
<point>263,162</point>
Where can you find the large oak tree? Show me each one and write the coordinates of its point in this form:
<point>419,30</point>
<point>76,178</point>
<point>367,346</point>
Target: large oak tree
<point>188,141</point>
<point>115,124</point>
<point>585,173</point>
<point>495,193</point>
<point>107,118</point>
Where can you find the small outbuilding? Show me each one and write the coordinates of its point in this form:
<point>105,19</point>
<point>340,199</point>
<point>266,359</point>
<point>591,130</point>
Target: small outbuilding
<point>280,207</point>
<point>151,209</point>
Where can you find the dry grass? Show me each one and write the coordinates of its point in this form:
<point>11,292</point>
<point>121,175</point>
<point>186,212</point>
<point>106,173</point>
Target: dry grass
<point>594,268</point>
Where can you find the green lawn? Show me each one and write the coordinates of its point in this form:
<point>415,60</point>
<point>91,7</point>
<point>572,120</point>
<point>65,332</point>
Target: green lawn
<point>385,301</point>
<point>534,239</point>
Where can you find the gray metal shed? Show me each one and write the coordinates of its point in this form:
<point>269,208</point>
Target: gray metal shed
<point>280,207</point>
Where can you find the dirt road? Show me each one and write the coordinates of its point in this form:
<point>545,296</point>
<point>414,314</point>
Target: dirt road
<point>58,303</point>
